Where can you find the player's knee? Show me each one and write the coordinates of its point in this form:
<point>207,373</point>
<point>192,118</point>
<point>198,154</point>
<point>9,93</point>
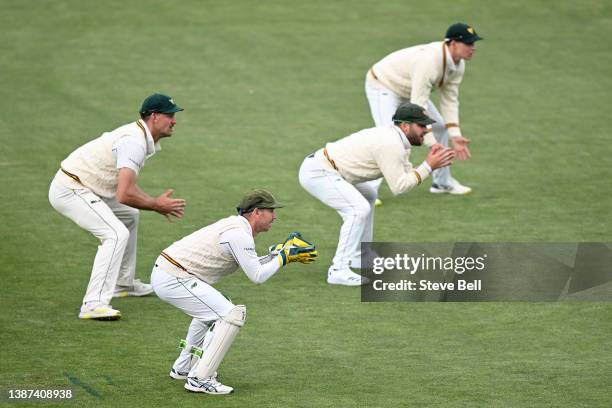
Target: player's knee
<point>133,215</point>
<point>118,235</point>
<point>236,316</point>
<point>370,194</point>
<point>362,210</point>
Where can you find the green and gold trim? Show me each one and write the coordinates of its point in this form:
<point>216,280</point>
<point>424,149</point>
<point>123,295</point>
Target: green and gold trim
<point>72,176</point>
<point>172,261</point>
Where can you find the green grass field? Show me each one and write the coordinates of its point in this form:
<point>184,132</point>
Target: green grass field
<point>263,84</point>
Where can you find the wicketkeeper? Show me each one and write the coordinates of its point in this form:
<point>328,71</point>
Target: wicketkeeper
<point>184,273</point>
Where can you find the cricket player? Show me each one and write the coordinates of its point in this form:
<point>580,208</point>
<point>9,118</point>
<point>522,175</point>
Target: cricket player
<point>184,273</point>
<point>412,74</point>
<point>339,175</point>
<point>96,188</point>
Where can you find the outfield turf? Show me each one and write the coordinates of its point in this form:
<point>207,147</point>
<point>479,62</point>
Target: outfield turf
<point>263,84</point>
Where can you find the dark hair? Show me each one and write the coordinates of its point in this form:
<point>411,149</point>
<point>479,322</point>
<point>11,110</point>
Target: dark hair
<point>145,115</point>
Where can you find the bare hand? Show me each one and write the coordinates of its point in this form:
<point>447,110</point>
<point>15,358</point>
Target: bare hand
<point>440,157</point>
<point>167,206</point>
<point>460,145</point>
<point>435,147</point>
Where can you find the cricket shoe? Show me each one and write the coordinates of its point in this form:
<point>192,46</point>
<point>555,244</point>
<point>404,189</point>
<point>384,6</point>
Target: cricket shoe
<point>138,288</point>
<point>99,312</point>
<point>182,375</point>
<point>209,385</point>
<point>345,277</point>
<point>178,375</point>
<point>455,188</point>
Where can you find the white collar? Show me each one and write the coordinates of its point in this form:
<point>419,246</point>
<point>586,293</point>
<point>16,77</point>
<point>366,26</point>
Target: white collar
<point>402,136</point>
<point>450,63</point>
<point>248,224</point>
<point>152,146</point>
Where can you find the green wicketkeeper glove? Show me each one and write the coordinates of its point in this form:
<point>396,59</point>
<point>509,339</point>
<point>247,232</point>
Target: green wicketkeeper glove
<point>294,238</point>
<point>295,249</point>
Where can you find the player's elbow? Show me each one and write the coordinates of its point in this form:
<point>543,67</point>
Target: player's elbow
<point>121,197</point>
<point>396,190</point>
<point>257,281</point>
<point>401,188</point>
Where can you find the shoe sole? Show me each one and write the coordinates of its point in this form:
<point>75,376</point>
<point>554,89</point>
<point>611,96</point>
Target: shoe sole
<point>177,376</point>
<point>436,191</point>
<point>466,193</point>
<point>198,389</point>
<point>125,294</point>
<point>103,318</point>
<point>345,283</point>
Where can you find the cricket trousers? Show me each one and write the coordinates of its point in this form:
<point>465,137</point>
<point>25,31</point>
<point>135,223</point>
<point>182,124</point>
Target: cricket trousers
<point>354,203</point>
<point>114,224</point>
<point>196,298</point>
<point>383,104</point>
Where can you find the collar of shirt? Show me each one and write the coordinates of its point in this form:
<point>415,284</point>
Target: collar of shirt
<point>403,137</point>
<point>246,222</point>
<point>152,146</point>
<point>450,64</point>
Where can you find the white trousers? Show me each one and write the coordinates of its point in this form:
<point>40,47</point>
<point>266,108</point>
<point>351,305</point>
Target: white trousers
<point>114,224</point>
<point>383,104</point>
<point>197,299</point>
<point>354,203</point>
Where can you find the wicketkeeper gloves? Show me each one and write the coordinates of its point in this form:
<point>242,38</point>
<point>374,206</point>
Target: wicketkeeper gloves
<point>295,249</point>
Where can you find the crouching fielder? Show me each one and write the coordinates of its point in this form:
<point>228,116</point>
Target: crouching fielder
<point>338,176</point>
<point>184,273</point>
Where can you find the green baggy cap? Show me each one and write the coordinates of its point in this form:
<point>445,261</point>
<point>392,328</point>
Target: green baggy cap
<point>258,198</point>
<point>412,113</point>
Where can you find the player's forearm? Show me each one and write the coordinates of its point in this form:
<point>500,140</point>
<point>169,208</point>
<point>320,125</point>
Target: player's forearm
<point>407,180</point>
<point>255,270</point>
<point>135,197</point>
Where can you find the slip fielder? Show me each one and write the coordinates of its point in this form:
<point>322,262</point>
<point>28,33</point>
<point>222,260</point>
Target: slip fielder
<point>412,74</point>
<point>340,174</point>
<point>96,188</point>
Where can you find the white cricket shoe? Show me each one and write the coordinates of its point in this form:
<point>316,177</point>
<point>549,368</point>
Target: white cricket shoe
<point>182,375</point>
<point>455,188</point>
<point>345,277</point>
<point>98,311</point>
<point>138,288</point>
<point>209,385</point>
<point>178,375</point>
